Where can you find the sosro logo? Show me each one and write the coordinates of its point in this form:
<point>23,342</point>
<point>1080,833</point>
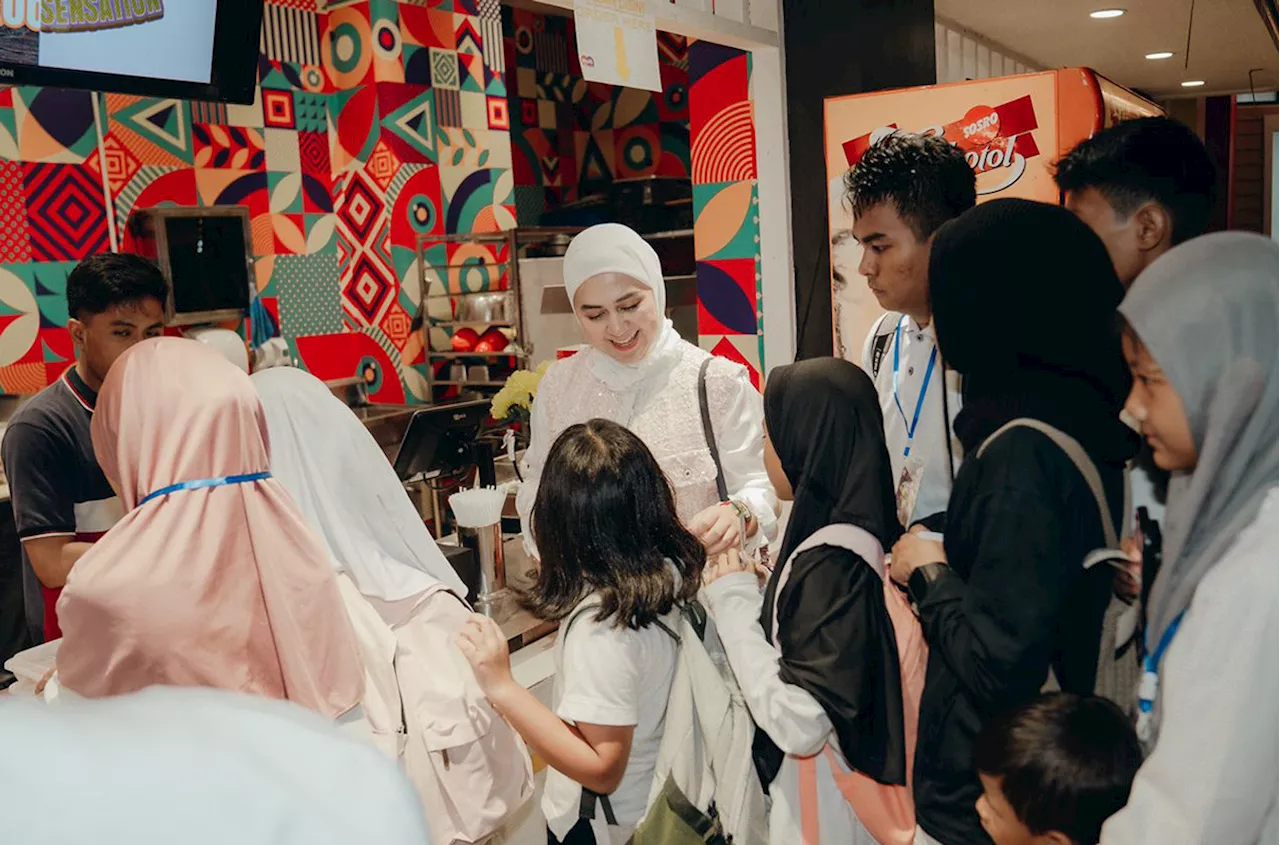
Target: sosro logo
<point>995,141</point>
<point>77,15</point>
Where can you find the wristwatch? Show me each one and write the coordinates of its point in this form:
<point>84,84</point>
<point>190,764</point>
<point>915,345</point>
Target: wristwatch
<point>743,510</point>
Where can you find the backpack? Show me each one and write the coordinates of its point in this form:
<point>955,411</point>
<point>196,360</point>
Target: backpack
<point>887,812</point>
<point>1119,668</point>
<point>705,788</point>
<point>470,768</point>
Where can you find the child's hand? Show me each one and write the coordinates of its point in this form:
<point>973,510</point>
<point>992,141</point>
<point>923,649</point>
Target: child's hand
<point>1128,581</point>
<point>725,564</point>
<point>485,648</point>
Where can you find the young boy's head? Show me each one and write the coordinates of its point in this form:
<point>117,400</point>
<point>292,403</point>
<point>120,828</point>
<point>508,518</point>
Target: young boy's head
<point>1144,186</point>
<point>1054,770</point>
<point>900,192</point>
<point>113,301</point>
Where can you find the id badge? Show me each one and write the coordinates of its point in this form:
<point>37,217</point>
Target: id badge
<point>909,489</point>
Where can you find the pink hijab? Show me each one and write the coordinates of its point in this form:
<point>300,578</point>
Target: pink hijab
<point>222,586</point>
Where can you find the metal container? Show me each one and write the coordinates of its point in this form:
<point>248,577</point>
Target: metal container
<point>492,307</point>
<point>486,544</point>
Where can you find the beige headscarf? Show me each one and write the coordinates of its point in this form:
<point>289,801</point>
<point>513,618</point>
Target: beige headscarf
<point>222,586</point>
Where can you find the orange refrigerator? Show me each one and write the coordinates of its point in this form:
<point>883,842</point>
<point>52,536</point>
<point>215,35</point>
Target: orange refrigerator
<point>1012,130</point>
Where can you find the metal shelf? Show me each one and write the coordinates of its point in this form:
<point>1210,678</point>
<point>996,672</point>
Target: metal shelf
<point>434,286</point>
<point>464,294</point>
<point>514,353</point>
<point>473,266</point>
<point>466,383</point>
<point>497,324</point>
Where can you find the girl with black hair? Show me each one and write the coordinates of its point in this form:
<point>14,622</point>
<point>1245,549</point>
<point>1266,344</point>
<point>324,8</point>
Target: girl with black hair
<point>615,561</point>
<point>830,659</point>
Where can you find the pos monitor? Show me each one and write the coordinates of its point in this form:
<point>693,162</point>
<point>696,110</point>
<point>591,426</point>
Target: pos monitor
<point>442,439</point>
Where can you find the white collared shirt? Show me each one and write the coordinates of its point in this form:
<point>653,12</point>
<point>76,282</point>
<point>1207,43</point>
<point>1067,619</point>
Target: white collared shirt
<point>914,346</point>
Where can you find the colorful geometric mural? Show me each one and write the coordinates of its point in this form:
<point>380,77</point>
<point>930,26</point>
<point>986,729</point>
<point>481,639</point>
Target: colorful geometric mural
<point>374,122</point>
<point>570,137</point>
<point>726,204</point>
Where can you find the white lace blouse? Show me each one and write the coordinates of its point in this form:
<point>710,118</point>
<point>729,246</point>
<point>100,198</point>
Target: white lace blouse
<point>663,411</point>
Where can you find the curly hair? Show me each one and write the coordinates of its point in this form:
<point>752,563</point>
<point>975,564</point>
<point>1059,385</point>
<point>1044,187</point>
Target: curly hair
<point>924,176</point>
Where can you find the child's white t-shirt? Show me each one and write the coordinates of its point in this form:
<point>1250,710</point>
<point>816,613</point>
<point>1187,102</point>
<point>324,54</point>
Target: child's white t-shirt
<point>617,677</point>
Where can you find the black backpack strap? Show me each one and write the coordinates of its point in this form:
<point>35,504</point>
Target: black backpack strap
<point>662,626</point>
<point>879,346</point>
<point>722,489</point>
<point>696,615</point>
<point>587,806</point>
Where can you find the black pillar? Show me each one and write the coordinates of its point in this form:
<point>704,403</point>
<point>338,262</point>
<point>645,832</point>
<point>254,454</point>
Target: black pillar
<point>832,48</point>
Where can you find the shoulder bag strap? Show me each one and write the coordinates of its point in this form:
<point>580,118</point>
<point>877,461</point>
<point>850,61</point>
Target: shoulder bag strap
<point>1079,457</point>
<point>722,488</point>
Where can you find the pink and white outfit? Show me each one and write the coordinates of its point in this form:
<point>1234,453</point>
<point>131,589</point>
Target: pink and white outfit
<point>657,398</point>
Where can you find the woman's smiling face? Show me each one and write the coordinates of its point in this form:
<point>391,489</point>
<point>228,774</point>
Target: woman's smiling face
<point>618,315</point>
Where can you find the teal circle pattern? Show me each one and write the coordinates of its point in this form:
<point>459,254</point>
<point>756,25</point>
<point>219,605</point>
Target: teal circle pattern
<point>345,36</point>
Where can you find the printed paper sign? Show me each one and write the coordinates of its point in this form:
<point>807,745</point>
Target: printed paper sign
<point>617,43</point>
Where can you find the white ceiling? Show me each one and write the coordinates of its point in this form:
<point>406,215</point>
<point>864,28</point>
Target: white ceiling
<point>1228,38</point>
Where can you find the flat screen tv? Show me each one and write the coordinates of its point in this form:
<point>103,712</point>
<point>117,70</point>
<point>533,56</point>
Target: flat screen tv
<point>189,49</point>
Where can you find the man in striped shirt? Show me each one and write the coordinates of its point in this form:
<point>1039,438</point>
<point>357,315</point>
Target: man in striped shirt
<point>62,502</point>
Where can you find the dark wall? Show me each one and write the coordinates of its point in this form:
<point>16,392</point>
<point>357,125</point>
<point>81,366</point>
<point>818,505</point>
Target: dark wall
<point>1217,140</point>
<point>832,48</point>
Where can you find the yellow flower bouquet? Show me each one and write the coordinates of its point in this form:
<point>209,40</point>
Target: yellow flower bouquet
<point>514,402</point>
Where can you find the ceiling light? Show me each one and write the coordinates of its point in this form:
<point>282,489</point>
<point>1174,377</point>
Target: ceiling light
<point>1102,14</point>
<point>1163,54</point>
<point>1193,83</point>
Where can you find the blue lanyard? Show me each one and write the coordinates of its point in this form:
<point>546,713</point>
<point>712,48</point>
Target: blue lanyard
<point>202,483</point>
<point>924,388</point>
<point>1150,683</point>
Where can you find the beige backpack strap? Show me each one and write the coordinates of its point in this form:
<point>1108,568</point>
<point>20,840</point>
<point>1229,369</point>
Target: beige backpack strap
<point>1080,458</point>
<point>1126,527</point>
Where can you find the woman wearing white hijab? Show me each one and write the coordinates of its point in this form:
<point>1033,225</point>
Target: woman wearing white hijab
<point>639,373</point>
<point>1201,341</point>
<point>405,603</point>
<point>195,765</point>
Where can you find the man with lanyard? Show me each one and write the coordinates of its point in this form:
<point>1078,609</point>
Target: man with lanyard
<point>900,192</point>
<point>62,502</point>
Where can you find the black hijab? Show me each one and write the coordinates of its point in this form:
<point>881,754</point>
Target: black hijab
<point>823,418</point>
<point>834,633</point>
<point>1024,301</point>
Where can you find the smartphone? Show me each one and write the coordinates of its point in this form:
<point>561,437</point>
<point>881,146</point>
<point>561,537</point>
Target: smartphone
<point>1152,548</point>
